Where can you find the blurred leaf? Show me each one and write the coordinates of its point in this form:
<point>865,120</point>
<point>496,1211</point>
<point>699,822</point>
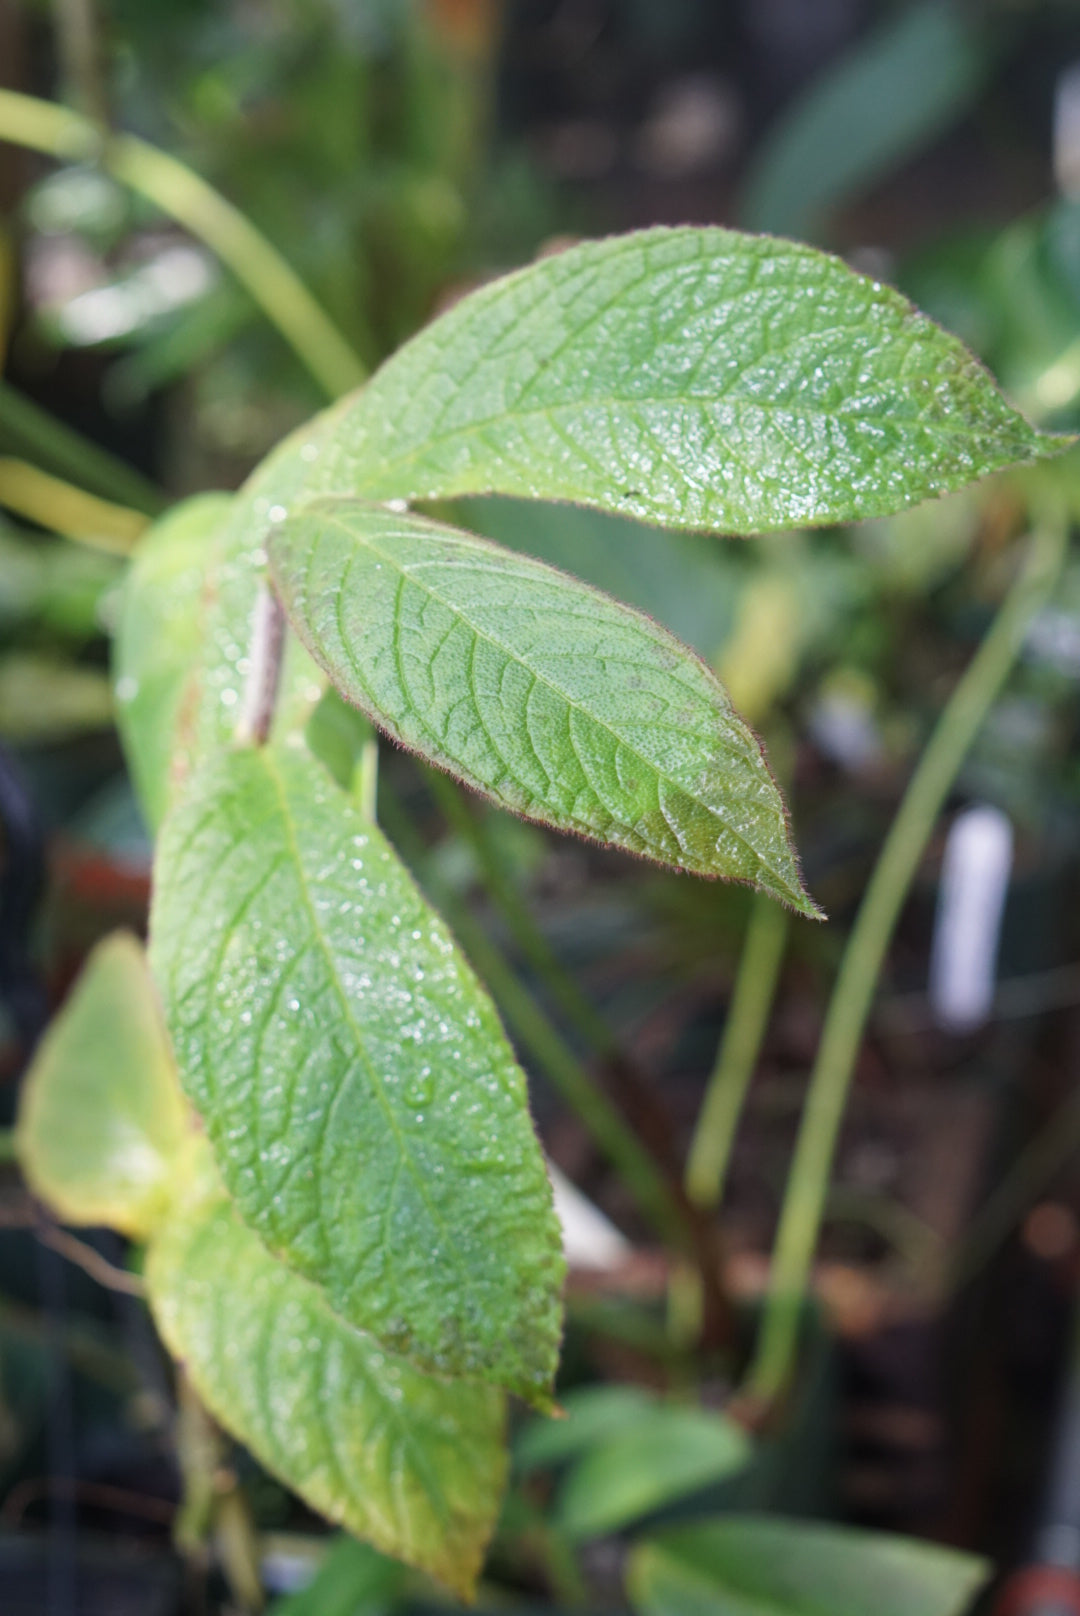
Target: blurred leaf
<point>353,1580</point>
<point>414,1464</point>
<point>592,1414</point>
<point>657,1458</point>
<point>360,1094</point>
<point>101,1118</point>
<point>42,700</point>
<point>867,114</point>
<point>749,1566</point>
<point>337,734</point>
<point>158,637</point>
<point>53,583</point>
<point>549,698</point>
<point>694,378</point>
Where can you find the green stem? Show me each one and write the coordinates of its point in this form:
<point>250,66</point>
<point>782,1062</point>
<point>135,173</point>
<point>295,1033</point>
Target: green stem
<point>184,196</point>
<point>808,1181</point>
<point>63,508</point>
<point>564,991</point>
<point>74,456</point>
<point>748,1016</point>
<point>546,1046</point>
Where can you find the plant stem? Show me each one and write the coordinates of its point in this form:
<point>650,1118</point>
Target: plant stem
<point>184,196</point>
<point>74,455</point>
<point>808,1180</point>
<point>63,508</point>
<point>264,677</point>
<point>544,1043</point>
<point>751,1002</point>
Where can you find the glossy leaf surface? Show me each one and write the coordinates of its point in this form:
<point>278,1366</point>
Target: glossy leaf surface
<point>745,1565</point>
<point>364,1105</point>
<point>414,1464</point>
<point>659,1456</point>
<point>693,378</point>
<point>158,638</point>
<point>101,1116</point>
<point>550,698</point>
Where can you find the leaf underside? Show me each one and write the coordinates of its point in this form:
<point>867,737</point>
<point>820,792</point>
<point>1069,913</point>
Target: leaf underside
<point>550,698</point>
<point>363,1103</point>
<point>414,1464</point>
<point>695,378</point>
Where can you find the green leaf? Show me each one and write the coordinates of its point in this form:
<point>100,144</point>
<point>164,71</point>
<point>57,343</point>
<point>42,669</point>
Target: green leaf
<point>874,109</point>
<point>693,378</point>
<point>744,1565</point>
<point>662,1454</point>
<point>550,698</point>
<point>158,638</point>
<point>101,1118</point>
<point>353,1580</point>
<point>181,658</point>
<point>412,1463</point>
<point>591,1414</point>
<point>363,1102</point>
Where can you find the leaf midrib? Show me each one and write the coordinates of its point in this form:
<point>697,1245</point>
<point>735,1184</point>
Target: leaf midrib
<point>391,465</point>
<point>405,1155</point>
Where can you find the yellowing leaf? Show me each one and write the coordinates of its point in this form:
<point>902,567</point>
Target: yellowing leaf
<point>102,1121</point>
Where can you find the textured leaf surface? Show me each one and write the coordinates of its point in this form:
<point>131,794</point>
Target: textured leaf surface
<point>158,639</point>
<point>101,1116</point>
<point>548,697</point>
<point>745,1565</point>
<point>659,1456</point>
<point>693,378</point>
<point>364,1105</point>
<point>414,1464</point>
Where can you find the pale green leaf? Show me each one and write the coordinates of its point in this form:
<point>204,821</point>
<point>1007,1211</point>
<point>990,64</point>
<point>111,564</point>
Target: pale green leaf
<point>745,1565</point>
<point>102,1121</point>
<point>412,1463</point>
<point>693,378</point>
<point>660,1455</point>
<point>158,639</point>
<point>550,698</point>
<point>363,1102</point>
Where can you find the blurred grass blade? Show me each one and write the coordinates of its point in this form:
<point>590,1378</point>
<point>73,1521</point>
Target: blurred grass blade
<point>62,508</point>
<point>863,117</point>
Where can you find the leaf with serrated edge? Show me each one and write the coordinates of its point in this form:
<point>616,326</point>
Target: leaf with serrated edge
<point>693,378</point>
<point>550,698</point>
<point>741,1563</point>
<point>101,1119</point>
<point>414,1464</point>
<point>159,637</point>
<point>363,1103</point>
